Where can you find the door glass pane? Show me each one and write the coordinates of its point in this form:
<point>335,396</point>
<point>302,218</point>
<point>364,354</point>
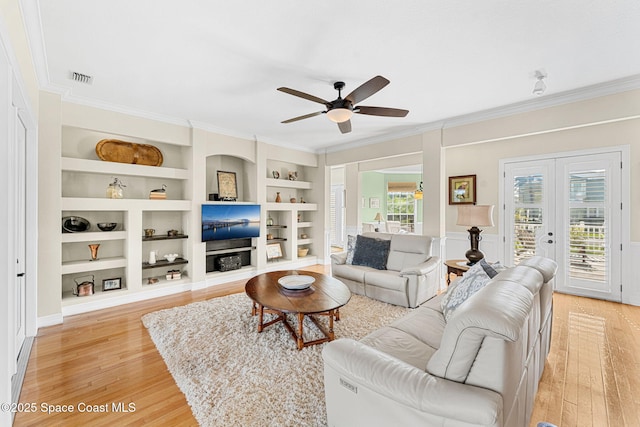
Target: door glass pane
<point>528,198</point>
<point>587,232</point>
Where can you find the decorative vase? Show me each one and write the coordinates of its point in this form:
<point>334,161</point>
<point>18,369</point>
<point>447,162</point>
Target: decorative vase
<point>278,198</point>
<point>292,200</point>
<point>94,251</point>
<point>269,222</point>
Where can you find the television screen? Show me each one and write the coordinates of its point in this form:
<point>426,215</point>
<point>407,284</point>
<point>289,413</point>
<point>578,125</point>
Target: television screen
<point>230,221</point>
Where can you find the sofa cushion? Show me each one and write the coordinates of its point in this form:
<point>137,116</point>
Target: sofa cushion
<point>371,252</point>
<point>386,279</point>
<point>351,247</point>
<point>461,290</point>
<point>414,324</point>
<point>408,250</point>
<point>400,345</point>
<point>350,272</point>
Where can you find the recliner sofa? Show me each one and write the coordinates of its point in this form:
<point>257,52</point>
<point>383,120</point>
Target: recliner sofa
<point>412,274</point>
<point>481,367</point>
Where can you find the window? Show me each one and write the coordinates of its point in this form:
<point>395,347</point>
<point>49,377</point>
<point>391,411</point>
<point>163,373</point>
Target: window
<point>401,204</point>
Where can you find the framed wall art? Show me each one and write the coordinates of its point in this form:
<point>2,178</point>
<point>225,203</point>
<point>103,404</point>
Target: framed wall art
<point>462,190</point>
<point>112,284</point>
<point>274,251</point>
<point>227,186</point>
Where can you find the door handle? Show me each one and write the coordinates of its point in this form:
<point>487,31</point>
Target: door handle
<point>549,241</point>
<point>20,275</point>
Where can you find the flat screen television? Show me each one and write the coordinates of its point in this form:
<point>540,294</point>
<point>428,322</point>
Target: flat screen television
<point>230,221</point>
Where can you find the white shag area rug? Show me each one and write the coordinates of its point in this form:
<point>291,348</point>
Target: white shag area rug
<point>232,375</point>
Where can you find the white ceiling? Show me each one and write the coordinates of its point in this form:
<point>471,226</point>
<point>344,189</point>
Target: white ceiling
<point>217,64</point>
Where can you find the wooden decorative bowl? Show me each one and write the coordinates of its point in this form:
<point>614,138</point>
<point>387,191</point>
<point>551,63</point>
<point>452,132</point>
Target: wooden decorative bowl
<point>113,150</point>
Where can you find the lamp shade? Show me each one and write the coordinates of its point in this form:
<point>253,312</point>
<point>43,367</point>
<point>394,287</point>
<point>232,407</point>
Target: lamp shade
<point>339,115</point>
<point>475,215</point>
<point>378,217</point>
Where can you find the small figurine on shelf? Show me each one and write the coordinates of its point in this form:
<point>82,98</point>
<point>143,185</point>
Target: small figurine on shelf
<point>302,200</point>
<point>292,200</point>
<point>293,175</point>
<point>158,193</point>
<point>114,189</point>
<point>278,198</point>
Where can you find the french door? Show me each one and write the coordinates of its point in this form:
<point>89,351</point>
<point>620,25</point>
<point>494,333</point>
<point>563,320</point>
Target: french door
<point>568,209</point>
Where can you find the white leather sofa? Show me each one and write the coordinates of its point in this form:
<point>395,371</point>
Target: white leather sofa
<point>411,276</point>
<point>479,368</point>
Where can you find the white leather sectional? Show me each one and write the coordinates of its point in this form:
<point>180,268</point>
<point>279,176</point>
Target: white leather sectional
<point>481,368</point>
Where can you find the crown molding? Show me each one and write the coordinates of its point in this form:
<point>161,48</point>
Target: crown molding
<point>576,95</point>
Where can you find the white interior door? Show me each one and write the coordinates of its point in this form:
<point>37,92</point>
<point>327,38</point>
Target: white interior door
<point>20,237</point>
<point>568,209</point>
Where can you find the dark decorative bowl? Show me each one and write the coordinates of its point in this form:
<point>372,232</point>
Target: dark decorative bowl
<point>75,224</point>
<point>107,226</point>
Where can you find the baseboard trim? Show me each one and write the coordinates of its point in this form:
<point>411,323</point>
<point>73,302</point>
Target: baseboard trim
<point>18,378</point>
<point>50,320</point>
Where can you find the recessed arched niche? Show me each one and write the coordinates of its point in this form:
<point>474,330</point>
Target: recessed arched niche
<point>242,170</point>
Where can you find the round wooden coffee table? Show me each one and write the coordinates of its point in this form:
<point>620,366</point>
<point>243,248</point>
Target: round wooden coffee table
<point>323,298</point>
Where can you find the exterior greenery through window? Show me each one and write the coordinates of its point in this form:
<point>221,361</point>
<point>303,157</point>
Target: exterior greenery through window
<point>401,207</point>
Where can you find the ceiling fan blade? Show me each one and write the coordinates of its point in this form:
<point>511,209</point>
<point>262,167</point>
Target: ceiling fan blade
<point>381,111</point>
<point>367,89</point>
<point>345,127</point>
<point>306,116</point>
<point>303,95</point>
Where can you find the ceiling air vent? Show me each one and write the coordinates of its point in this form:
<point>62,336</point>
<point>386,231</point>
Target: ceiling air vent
<point>82,78</point>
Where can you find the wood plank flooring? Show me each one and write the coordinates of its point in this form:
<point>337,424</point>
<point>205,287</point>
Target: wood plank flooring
<point>592,376</point>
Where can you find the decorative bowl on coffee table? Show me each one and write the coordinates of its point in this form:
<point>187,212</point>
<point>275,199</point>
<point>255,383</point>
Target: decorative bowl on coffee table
<point>296,282</point>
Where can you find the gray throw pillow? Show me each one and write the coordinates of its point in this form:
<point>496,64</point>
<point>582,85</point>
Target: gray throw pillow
<point>371,252</point>
<point>351,247</point>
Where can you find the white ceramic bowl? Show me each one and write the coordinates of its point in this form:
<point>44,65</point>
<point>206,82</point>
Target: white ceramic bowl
<point>171,257</point>
<point>296,282</point>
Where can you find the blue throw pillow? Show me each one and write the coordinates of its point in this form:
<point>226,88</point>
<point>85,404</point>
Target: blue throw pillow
<point>371,252</point>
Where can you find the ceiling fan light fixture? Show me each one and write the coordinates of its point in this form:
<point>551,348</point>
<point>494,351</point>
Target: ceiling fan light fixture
<point>339,115</point>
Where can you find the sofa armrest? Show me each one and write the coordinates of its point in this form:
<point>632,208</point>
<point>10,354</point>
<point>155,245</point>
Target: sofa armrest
<point>422,269</point>
<point>339,258</point>
<point>407,385</point>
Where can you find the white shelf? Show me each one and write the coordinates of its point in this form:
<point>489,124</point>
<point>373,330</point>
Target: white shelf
<point>104,204</point>
<point>304,224</point>
<point>68,298</point>
<point>304,241</point>
<point>272,206</point>
<point>102,167</point>
<point>71,267</point>
<point>285,183</point>
<point>93,236</point>
<point>163,282</point>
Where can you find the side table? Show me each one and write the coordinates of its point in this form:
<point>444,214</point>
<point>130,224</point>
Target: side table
<point>457,267</point>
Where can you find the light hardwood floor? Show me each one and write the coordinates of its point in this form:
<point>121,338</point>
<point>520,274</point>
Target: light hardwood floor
<point>592,376</point>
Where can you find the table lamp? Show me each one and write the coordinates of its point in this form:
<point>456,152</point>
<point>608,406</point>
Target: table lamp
<point>475,216</point>
<point>378,218</point>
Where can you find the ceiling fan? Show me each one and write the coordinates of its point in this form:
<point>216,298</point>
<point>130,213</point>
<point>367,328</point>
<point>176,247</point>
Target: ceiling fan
<point>340,110</point>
